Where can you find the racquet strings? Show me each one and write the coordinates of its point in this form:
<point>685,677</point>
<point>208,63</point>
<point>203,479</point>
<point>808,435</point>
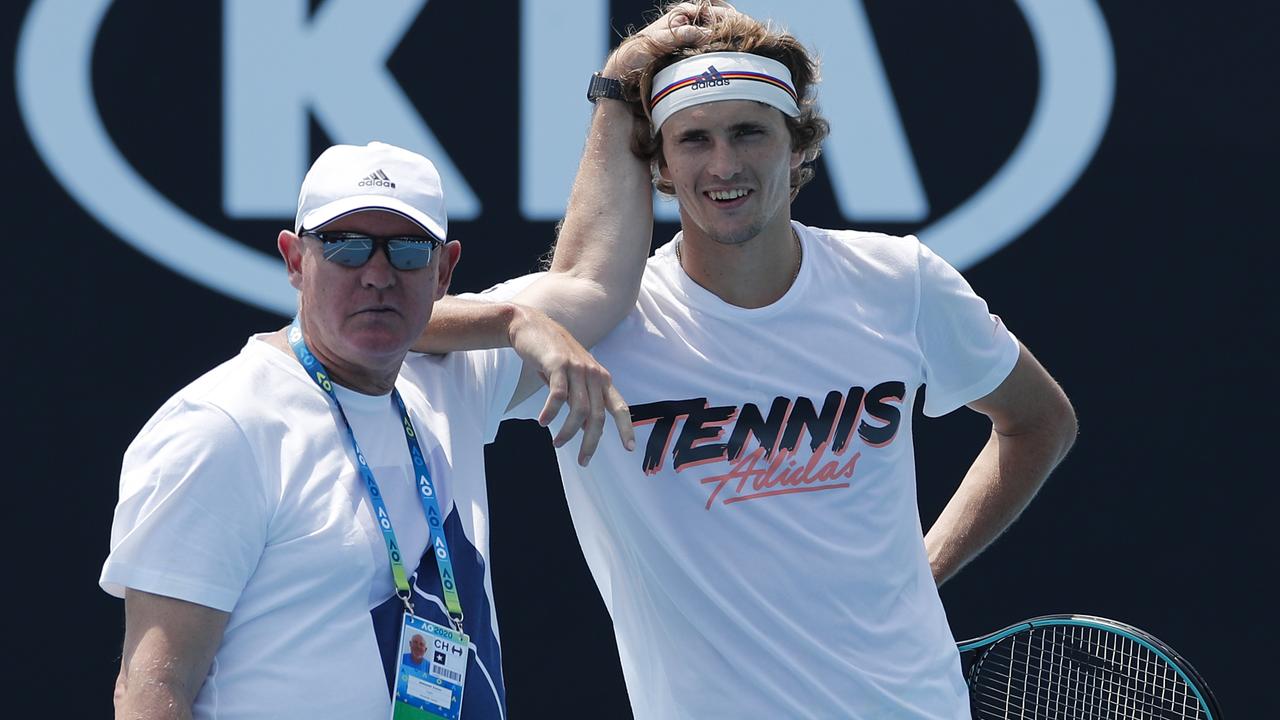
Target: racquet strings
<point>1075,672</point>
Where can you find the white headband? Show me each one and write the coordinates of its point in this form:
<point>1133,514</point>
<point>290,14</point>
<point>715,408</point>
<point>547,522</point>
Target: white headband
<point>710,77</point>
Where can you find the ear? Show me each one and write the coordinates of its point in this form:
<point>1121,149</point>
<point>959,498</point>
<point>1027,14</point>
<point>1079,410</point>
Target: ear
<point>659,160</point>
<point>797,159</point>
<point>290,247</point>
<point>450,254</point>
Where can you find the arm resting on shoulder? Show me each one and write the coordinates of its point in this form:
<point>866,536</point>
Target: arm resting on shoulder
<point>169,645</point>
<point>599,258</point>
<point>552,357</point>
<point>602,246</point>
<point>594,278</point>
<point>1033,427</point>
<point>600,252</point>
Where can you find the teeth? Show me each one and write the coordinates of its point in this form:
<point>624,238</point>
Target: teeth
<point>727,194</point>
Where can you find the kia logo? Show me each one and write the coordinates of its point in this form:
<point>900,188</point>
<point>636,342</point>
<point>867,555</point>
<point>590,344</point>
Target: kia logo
<point>270,82</point>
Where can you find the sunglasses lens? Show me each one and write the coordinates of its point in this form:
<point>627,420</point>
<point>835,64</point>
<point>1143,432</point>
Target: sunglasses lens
<point>355,250</point>
<point>351,253</point>
<point>409,254</point>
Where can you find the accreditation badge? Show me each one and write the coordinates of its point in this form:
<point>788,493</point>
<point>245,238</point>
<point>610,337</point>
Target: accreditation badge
<point>430,671</point>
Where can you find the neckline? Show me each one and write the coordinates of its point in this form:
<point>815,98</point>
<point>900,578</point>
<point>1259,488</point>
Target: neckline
<point>352,400</point>
<point>707,301</point>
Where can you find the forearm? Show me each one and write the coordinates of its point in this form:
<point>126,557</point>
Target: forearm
<point>998,486</point>
<point>603,244</point>
<point>595,273</point>
<point>139,697</point>
<point>169,645</point>
<point>458,324</point>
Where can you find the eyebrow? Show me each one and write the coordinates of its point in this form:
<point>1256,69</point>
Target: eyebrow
<point>736,127</point>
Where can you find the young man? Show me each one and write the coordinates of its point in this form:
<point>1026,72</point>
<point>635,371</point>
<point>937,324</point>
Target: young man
<point>281,517</point>
<point>763,555</point>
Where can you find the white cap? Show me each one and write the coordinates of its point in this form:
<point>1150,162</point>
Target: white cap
<point>710,77</point>
<point>350,178</point>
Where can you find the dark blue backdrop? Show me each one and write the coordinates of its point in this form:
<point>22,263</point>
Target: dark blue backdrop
<point>1141,290</point>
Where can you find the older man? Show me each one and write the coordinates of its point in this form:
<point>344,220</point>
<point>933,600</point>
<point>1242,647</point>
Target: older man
<point>763,557</point>
<point>286,518</point>
<point>416,658</point>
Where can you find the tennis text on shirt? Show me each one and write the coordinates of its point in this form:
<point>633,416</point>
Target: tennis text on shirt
<point>771,468</point>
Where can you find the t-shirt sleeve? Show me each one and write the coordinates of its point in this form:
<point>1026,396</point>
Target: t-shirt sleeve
<point>504,290</point>
<point>497,372</point>
<point>193,514</point>
<point>531,406</point>
<point>967,350</point>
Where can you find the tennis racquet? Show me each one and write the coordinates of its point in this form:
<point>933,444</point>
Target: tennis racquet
<point>1076,667</point>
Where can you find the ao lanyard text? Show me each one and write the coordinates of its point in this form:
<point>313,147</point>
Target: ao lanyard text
<point>426,488</point>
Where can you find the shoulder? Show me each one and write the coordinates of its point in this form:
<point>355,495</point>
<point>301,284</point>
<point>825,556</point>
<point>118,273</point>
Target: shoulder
<point>245,391</point>
<point>430,370</point>
<point>877,263</point>
<point>471,383</point>
<point>896,254</point>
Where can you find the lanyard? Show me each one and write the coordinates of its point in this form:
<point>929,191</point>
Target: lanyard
<point>426,488</point>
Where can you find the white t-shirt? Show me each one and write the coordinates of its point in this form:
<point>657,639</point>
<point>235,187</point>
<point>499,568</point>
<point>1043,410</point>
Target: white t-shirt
<point>761,551</point>
<point>242,494</point>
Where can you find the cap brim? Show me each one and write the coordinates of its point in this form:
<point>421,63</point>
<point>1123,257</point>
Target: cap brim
<point>358,203</point>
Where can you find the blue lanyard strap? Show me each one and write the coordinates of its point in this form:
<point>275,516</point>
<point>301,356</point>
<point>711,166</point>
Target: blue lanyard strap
<point>426,488</point>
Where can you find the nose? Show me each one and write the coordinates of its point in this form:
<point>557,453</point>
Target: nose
<point>724,162</point>
<point>377,273</point>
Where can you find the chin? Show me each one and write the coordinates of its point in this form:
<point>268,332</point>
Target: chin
<point>734,236</point>
<point>379,342</point>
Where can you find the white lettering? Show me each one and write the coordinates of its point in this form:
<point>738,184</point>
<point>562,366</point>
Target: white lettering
<point>279,65</point>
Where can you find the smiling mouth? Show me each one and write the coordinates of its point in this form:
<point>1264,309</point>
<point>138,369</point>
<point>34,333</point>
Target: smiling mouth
<point>727,196</point>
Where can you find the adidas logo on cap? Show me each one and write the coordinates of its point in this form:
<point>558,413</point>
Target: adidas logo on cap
<point>377,179</point>
<point>710,78</point>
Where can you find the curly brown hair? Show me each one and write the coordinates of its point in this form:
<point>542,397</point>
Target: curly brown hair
<point>733,33</point>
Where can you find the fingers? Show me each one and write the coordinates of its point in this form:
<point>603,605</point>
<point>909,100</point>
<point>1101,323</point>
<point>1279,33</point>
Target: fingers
<point>579,403</point>
<point>685,25</point>
<point>558,392</point>
<point>575,378</point>
<point>588,390</point>
<point>687,35</point>
<point>699,14</point>
<point>605,398</point>
<point>593,428</point>
<point>621,413</point>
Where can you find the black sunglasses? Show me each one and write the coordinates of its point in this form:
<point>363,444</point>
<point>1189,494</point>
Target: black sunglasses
<point>405,252</point>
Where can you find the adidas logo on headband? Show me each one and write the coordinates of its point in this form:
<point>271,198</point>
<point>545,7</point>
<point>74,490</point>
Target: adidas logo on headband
<point>734,76</point>
<point>710,78</point>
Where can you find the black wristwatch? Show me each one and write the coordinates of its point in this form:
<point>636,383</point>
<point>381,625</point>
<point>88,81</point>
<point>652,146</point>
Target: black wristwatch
<point>603,87</point>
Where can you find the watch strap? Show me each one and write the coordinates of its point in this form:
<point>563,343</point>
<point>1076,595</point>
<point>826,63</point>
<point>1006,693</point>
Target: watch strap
<point>603,87</point>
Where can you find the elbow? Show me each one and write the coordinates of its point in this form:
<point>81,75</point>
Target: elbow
<point>623,301</point>
<point>1051,427</point>
<point>121,693</point>
<point>612,300</point>
<point>1066,425</point>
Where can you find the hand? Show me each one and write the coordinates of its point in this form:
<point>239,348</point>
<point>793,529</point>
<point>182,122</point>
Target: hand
<point>682,26</point>
<point>572,374</point>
